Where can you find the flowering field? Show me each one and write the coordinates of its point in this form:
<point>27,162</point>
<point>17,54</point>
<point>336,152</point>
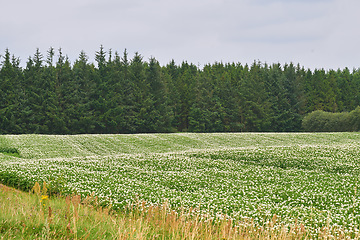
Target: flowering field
<point>312,178</point>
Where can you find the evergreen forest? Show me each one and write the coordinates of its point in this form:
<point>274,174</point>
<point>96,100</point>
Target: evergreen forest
<point>119,94</point>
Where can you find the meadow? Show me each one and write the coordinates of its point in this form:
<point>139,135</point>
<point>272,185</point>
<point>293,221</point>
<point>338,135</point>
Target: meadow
<point>308,178</point>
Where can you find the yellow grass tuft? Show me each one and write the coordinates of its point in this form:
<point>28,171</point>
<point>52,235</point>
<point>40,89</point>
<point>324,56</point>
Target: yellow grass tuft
<point>75,218</point>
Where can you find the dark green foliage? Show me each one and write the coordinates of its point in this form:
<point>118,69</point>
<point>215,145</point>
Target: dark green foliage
<point>122,95</point>
<point>12,179</point>
<point>355,119</point>
<point>320,121</point>
<point>9,151</point>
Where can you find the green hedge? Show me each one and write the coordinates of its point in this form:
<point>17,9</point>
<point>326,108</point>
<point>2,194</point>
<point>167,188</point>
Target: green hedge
<point>320,121</point>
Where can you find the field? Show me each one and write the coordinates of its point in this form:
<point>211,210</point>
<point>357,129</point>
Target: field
<point>309,178</point>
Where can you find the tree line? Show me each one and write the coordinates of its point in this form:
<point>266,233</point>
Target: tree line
<point>118,94</point>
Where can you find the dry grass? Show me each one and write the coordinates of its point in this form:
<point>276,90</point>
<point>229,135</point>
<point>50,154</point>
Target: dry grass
<point>37,216</point>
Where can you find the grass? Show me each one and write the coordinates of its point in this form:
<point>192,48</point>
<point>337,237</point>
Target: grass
<point>37,216</point>
<point>307,178</point>
<point>6,149</point>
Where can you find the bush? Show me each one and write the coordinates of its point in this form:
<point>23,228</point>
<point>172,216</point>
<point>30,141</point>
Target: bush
<point>320,121</point>
<point>355,119</point>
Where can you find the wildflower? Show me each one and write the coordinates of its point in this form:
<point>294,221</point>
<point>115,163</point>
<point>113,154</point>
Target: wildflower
<point>44,198</point>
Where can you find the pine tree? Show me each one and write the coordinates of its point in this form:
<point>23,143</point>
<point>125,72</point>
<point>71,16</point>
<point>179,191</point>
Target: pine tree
<point>83,74</point>
<point>159,117</point>
<point>10,94</point>
<point>254,106</point>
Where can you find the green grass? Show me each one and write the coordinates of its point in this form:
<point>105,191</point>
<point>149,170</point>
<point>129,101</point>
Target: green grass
<point>7,149</point>
<point>37,216</point>
<point>312,178</point>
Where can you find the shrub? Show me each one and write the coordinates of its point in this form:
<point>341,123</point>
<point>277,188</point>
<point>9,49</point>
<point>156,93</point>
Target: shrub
<point>320,121</point>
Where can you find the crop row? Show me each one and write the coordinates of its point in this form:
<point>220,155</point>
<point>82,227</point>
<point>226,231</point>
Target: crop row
<point>315,184</point>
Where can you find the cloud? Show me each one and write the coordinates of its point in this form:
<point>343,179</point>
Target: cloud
<point>316,33</point>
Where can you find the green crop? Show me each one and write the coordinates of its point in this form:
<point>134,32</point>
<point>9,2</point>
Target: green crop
<point>312,178</point>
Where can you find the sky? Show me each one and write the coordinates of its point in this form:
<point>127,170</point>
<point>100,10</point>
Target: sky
<point>314,33</point>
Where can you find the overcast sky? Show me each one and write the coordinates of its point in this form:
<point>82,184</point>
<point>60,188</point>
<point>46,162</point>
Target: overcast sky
<point>314,33</point>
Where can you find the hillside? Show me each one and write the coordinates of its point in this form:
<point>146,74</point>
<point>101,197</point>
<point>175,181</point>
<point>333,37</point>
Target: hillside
<point>311,177</point>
